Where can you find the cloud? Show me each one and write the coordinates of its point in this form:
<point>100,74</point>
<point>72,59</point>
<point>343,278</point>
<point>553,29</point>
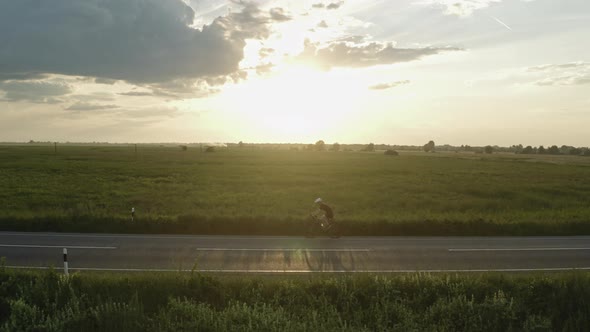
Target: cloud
<point>573,73</point>
<point>332,5</point>
<point>384,86</point>
<point>180,88</point>
<point>461,8</point>
<point>101,96</point>
<point>100,80</point>
<point>266,52</point>
<point>580,65</point>
<point>322,24</point>
<point>153,112</point>
<point>137,94</point>
<point>264,68</point>
<point>82,106</point>
<point>279,15</point>
<point>358,55</point>
<point>35,91</point>
<point>139,41</point>
<point>19,76</point>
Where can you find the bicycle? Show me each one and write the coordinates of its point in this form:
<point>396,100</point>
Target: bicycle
<point>318,223</point>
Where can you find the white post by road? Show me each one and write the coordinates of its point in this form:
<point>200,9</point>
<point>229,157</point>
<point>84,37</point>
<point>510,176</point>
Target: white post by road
<point>66,261</point>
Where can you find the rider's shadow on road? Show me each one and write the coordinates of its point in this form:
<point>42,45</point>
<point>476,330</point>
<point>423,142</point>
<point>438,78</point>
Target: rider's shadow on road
<point>315,255</point>
<point>304,260</point>
<point>331,260</point>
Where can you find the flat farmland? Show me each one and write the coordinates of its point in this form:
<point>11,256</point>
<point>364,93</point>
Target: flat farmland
<point>264,191</point>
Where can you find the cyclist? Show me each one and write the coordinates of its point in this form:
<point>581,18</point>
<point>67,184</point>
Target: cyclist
<point>328,213</point>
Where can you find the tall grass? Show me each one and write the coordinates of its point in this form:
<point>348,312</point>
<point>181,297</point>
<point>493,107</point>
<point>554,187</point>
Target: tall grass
<point>90,188</point>
<point>47,301</point>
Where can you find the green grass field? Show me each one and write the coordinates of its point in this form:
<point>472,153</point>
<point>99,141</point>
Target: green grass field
<point>48,301</point>
<point>263,191</point>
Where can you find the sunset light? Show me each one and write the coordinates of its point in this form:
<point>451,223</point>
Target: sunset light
<point>459,72</point>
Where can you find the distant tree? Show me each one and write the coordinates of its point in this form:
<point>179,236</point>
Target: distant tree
<point>429,147</point>
<point>528,150</point>
<point>183,147</point>
<point>31,141</point>
<point>488,149</point>
<point>369,148</point>
<point>391,153</point>
<point>565,149</point>
<point>517,148</point>
<point>586,152</point>
<point>241,144</point>
<point>320,145</point>
<point>575,151</point>
<point>541,150</point>
<point>553,150</point>
<point>309,147</point>
<point>335,147</point>
<point>210,149</point>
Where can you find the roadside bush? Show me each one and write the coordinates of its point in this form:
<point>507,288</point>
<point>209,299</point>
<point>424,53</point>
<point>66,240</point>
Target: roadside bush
<point>48,301</point>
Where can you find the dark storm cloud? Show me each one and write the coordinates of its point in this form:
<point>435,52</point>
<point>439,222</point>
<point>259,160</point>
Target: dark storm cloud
<point>34,91</point>
<point>347,54</point>
<point>16,75</point>
<point>140,41</point>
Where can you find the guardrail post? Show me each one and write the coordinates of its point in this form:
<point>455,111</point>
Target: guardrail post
<point>66,272</point>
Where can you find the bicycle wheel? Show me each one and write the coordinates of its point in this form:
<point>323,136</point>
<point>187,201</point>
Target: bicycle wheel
<point>335,231</point>
<point>310,229</point>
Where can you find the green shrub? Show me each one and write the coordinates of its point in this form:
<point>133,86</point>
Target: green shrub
<point>48,301</point>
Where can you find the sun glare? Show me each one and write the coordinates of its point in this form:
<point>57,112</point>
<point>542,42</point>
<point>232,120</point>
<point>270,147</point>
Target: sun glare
<point>296,104</point>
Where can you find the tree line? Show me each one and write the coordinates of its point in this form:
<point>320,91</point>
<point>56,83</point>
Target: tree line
<point>431,146</point>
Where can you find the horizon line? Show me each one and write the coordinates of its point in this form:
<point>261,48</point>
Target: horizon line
<point>32,142</point>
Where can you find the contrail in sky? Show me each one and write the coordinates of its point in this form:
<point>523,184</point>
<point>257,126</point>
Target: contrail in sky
<point>504,24</point>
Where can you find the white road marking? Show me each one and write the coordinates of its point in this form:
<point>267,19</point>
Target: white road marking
<point>283,249</point>
<point>517,249</point>
<point>347,238</point>
<point>548,269</point>
<point>62,246</point>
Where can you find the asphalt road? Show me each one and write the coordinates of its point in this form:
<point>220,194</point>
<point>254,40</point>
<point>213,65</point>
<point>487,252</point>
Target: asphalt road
<point>273,254</point>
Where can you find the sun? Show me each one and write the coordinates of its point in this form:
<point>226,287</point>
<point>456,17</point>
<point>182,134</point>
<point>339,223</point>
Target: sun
<point>298,104</point>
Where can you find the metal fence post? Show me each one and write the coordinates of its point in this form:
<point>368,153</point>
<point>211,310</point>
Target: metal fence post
<point>66,261</point>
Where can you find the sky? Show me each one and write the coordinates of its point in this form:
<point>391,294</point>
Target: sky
<point>477,72</point>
